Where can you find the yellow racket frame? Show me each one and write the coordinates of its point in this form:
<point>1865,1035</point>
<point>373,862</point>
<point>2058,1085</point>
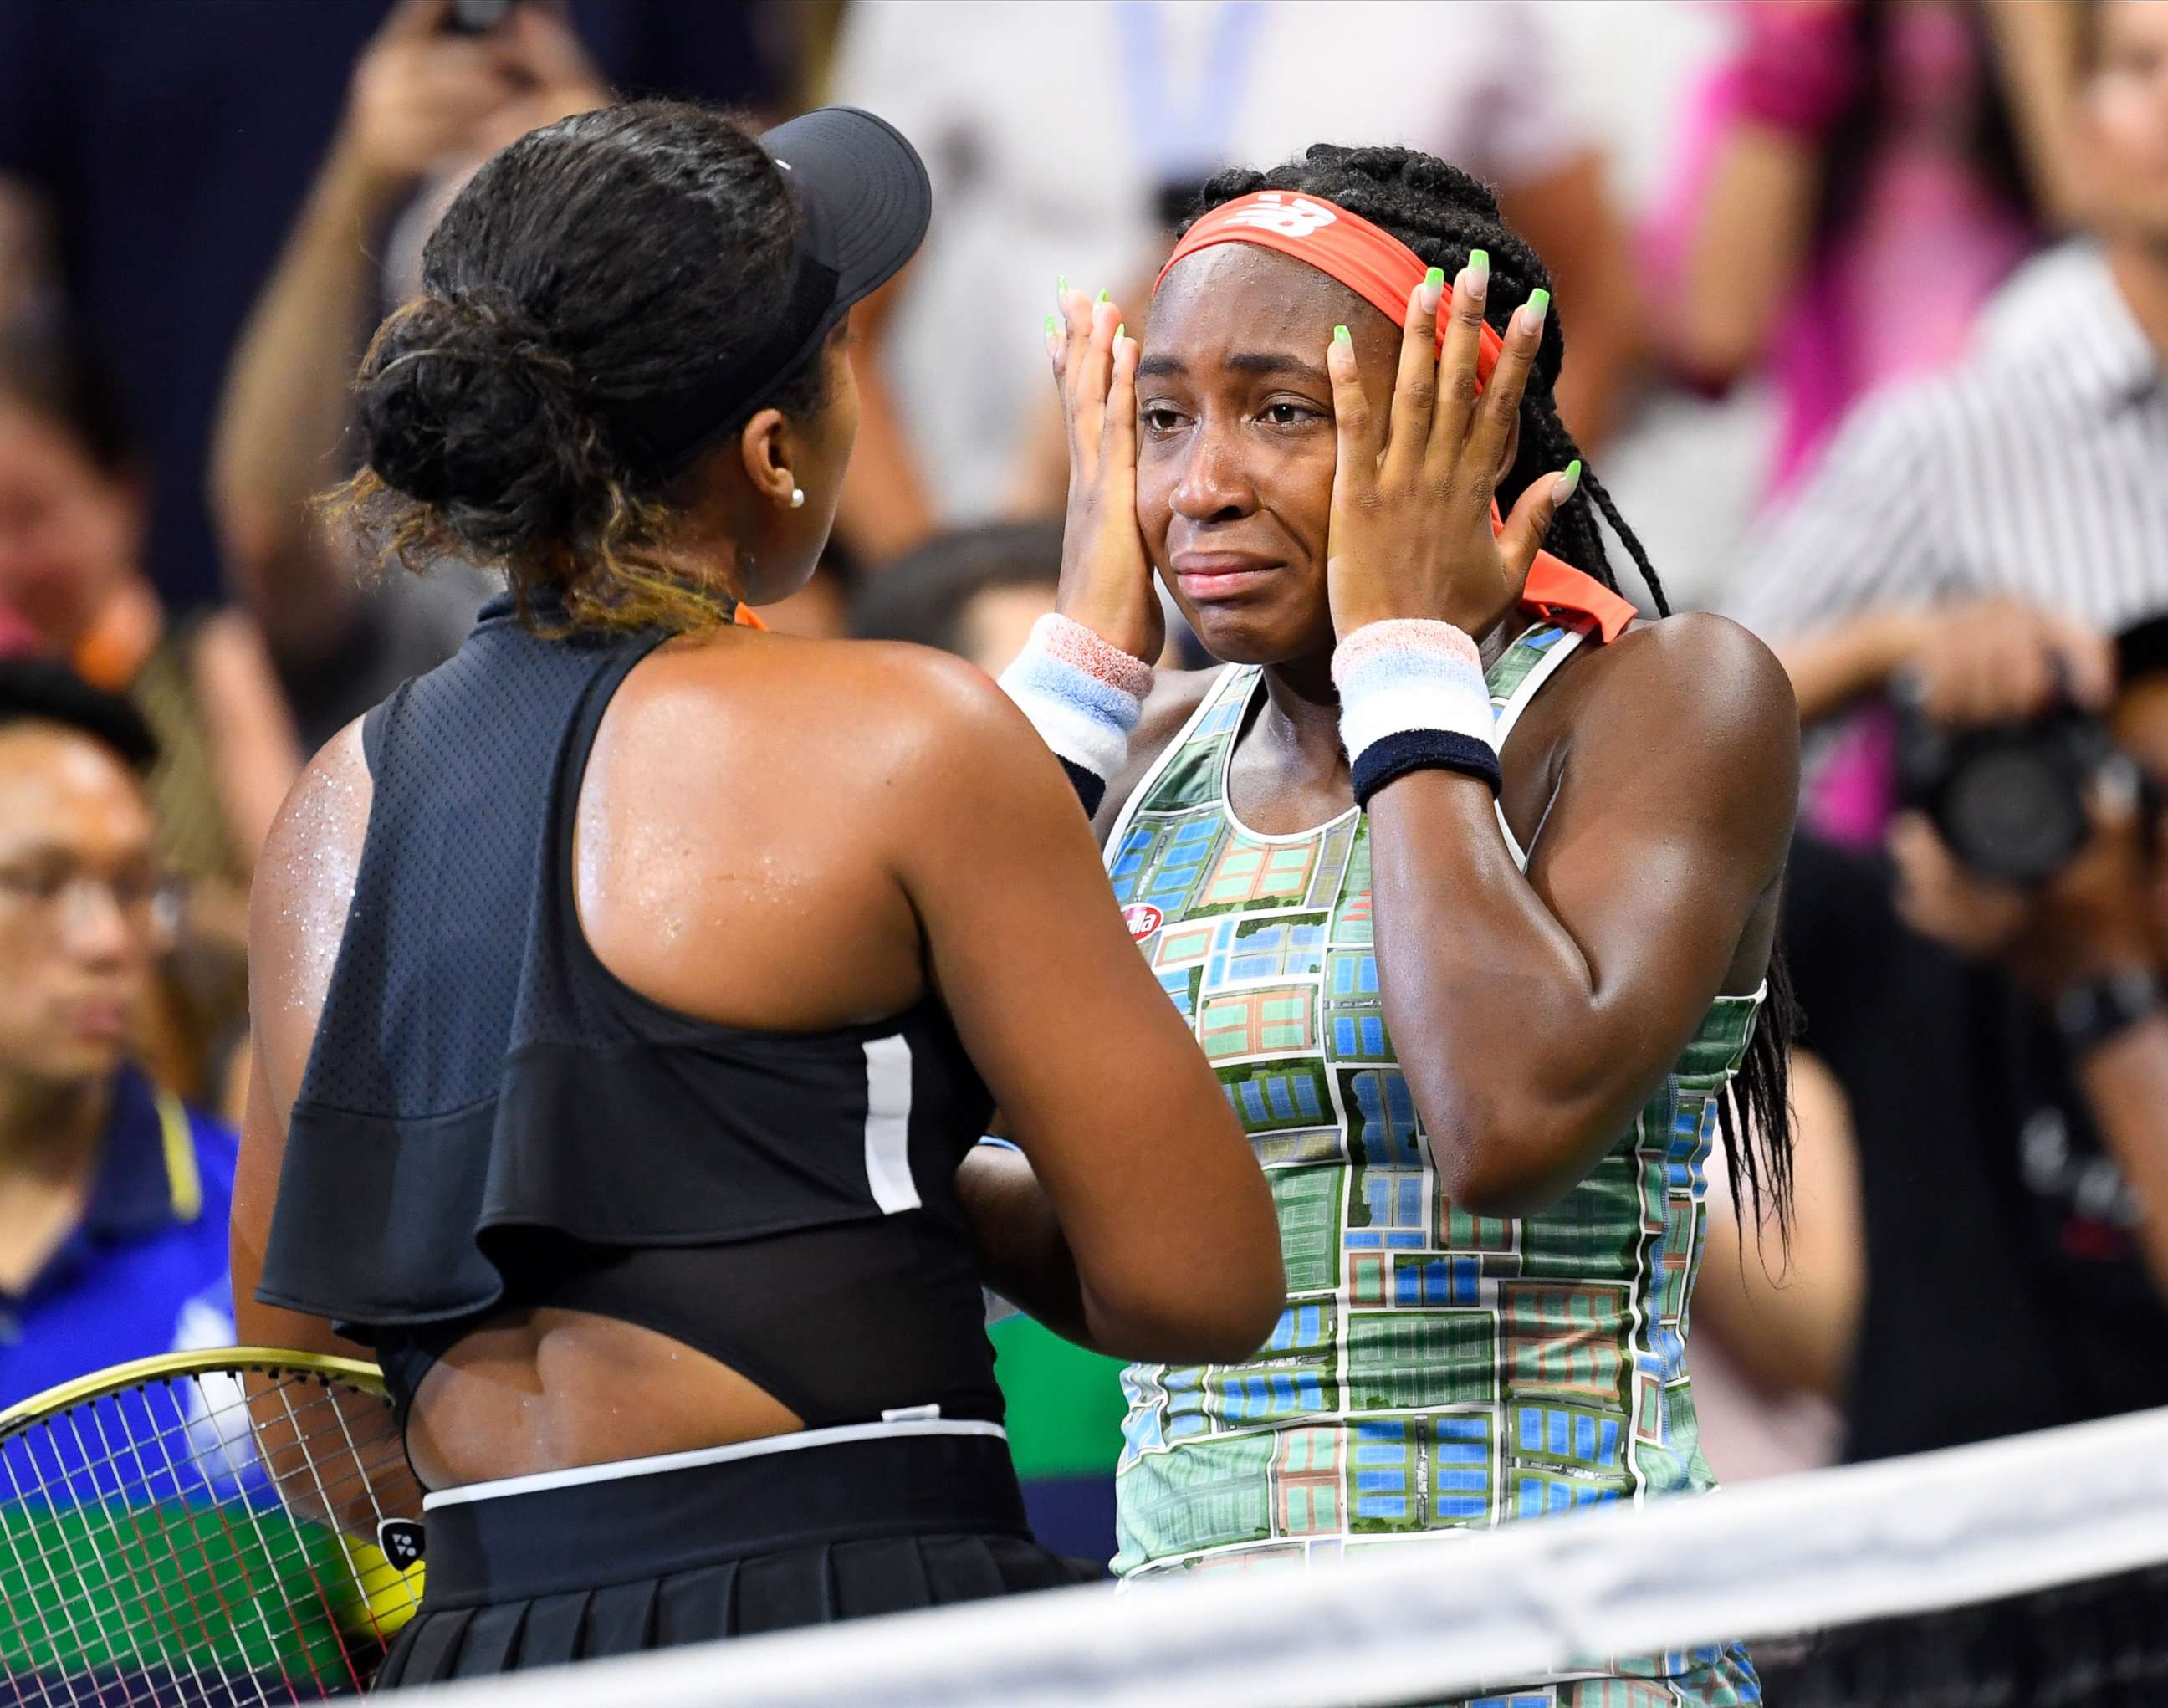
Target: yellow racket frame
<point>222,1359</point>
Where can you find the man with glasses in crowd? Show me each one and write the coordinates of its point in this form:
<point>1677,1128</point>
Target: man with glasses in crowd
<point>114,1199</point>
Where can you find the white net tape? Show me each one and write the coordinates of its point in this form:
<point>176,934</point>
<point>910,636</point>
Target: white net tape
<point>1433,1620</point>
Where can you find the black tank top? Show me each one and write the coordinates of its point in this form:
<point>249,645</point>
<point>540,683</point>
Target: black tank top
<point>490,1118</point>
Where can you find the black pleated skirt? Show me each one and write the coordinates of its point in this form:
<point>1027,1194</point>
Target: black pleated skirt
<point>814,1534</point>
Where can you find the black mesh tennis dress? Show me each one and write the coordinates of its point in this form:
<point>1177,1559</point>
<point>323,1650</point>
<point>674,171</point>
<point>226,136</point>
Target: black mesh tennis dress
<point>490,1119</point>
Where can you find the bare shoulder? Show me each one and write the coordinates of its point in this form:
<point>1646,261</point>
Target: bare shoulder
<point>857,715</point>
<point>1691,717</point>
<point>907,682</point>
<point>315,841</point>
<point>1704,680</point>
<point>304,885</point>
<point>918,692</point>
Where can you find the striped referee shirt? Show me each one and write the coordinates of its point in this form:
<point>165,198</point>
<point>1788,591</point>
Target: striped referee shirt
<point>2035,469</point>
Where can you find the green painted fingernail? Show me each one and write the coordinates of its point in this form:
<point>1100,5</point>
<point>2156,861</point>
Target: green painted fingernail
<point>1436,276</point>
<point>1050,326</point>
<point>1061,285</point>
<point>1122,329</point>
<point>1103,297</point>
<point>1567,483</point>
<point>1479,260</point>
<point>1340,336</point>
<point>1537,305</point>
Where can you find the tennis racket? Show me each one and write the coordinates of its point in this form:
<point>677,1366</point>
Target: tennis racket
<point>203,1529</point>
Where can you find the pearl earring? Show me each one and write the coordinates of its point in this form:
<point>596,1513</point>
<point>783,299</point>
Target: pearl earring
<point>798,498</point>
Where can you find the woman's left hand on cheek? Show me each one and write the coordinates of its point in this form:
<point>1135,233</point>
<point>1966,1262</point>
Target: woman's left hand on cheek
<point>1411,533</point>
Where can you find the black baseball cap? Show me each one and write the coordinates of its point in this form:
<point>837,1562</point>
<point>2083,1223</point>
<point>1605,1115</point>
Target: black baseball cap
<point>37,689</point>
<point>863,201</point>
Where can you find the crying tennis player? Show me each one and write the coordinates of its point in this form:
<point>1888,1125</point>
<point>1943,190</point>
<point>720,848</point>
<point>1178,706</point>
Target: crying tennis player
<point>630,990</point>
<point>1465,877</point>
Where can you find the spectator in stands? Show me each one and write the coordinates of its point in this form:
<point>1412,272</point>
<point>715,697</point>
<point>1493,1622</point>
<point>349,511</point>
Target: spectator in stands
<point>974,592</point>
<point>2029,475</point>
<point>164,151</point>
<point>71,527</point>
<point>1068,138</point>
<point>113,1198</point>
<point>425,102</point>
<point>72,493</point>
<point>1856,181</point>
<point>2002,1057</point>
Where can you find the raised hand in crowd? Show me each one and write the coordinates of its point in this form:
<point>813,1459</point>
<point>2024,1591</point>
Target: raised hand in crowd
<point>1983,661</point>
<point>426,98</point>
<point>2090,920</point>
<point>424,102</point>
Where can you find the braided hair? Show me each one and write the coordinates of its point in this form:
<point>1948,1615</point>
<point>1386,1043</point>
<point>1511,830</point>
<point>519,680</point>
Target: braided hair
<point>1442,213</point>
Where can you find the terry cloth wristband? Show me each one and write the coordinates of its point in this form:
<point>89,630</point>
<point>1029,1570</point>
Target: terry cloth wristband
<point>1412,698</point>
<point>1083,696</point>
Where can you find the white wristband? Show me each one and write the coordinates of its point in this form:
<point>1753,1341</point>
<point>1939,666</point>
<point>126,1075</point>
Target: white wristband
<point>1082,695</point>
<point>1412,697</point>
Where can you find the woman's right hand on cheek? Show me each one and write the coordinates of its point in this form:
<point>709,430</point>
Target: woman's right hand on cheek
<point>1106,576</point>
<point>1411,534</point>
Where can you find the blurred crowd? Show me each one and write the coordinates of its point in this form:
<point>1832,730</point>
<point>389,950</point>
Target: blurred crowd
<point>1866,304</point>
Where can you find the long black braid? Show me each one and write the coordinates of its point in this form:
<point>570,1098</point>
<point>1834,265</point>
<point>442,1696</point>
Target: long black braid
<point>1442,213</point>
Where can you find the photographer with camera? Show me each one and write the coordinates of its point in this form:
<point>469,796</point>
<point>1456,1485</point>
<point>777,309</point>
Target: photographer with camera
<point>1988,998</point>
<point>2029,472</point>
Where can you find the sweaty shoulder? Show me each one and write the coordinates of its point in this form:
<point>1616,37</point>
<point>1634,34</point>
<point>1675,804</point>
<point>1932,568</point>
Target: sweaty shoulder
<point>304,885</point>
<point>853,713</point>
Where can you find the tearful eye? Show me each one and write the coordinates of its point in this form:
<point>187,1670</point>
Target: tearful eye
<point>1158,420</point>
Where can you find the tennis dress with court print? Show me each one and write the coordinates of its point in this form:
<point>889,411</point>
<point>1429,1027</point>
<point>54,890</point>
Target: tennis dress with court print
<point>1435,1371</point>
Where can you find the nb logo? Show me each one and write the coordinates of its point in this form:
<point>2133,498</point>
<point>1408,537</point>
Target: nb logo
<point>1291,219</point>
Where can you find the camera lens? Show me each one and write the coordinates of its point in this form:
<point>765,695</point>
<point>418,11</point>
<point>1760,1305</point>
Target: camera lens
<point>2013,811</point>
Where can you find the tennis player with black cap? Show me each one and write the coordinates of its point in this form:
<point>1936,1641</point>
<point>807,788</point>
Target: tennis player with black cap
<point>631,989</point>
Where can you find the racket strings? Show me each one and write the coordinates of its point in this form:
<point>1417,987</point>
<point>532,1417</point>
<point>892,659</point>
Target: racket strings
<point>116,1631</point>
<point>201,1538</point>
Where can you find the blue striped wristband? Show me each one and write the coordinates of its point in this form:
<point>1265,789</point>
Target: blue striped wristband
<point>1083,696</point>
<point>1412,698</point>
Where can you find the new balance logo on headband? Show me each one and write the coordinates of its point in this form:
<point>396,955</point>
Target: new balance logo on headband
<point>1296,219</point>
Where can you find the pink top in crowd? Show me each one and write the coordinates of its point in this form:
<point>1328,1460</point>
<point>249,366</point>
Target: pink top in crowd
<point>1896,293</point>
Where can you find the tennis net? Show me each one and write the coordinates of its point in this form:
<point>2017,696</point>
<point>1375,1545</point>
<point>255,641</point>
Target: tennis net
<point>2032,1572</point>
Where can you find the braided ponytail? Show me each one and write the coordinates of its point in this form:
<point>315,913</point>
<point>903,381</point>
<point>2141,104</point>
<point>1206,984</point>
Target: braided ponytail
<point>1442,213</point>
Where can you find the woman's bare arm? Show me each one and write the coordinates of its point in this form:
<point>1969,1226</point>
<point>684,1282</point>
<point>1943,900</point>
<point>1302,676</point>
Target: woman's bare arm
<point>1147,1175</point>
<point>1657,779</point>
<point>885,508</point>
<point>297,914</point>
<point>1535,1013</point>
<point>1568,219</point>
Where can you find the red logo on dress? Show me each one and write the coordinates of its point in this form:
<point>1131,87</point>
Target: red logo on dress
<point>1143,919</point>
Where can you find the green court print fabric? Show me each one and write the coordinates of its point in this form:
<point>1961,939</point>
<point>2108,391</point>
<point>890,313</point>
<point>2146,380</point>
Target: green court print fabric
<point>1434,1371</point>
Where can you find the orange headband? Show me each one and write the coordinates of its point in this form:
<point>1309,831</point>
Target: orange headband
<point>1370,261</point>
<point>1382,270</point>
